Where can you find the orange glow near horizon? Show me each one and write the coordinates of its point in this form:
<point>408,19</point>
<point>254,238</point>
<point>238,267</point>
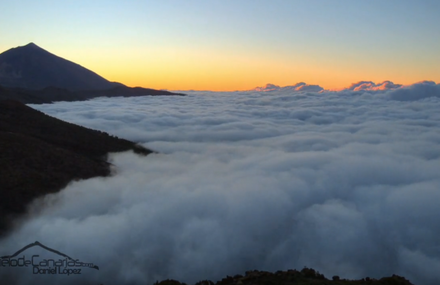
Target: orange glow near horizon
<point>242,78</point>
<point>215,70</point>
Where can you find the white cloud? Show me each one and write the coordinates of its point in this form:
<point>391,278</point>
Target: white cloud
<point>345,182</point>
<point>299,87</point>
<point>371,86</point>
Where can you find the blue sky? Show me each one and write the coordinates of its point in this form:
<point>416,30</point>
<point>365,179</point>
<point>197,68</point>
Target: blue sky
<point>235,44</point>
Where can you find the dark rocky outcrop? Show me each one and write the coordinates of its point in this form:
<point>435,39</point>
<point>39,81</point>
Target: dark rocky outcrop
<point>40,154</point>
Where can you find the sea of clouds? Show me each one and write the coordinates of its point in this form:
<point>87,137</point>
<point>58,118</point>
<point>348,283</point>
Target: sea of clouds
<point>346,182</point>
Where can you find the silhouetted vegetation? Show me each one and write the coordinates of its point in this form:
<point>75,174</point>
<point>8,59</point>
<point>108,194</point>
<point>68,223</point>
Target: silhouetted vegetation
<point>306,276</point>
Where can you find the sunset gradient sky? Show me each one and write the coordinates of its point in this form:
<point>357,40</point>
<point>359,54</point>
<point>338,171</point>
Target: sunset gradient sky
<point>234,45</point>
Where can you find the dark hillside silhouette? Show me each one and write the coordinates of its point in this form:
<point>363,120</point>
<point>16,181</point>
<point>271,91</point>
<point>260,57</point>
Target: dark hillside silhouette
<point>40,154</point>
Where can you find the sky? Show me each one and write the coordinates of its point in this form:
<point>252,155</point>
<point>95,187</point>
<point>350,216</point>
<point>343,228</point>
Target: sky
<point>343,182</point>
<point>234,45</point>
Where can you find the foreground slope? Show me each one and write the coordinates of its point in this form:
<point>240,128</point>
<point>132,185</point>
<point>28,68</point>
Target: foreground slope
<point>41,154</point>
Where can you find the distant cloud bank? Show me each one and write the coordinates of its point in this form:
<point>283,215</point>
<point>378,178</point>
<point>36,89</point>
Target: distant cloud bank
<point>371,86</point>
<point>299,87</point>
<point>415,91</point>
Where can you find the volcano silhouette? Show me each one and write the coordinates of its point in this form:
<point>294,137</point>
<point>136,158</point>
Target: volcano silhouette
<point>32,67</point>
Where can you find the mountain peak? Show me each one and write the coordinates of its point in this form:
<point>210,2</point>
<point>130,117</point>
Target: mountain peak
<point>31,44</point>
<point>33,67</point>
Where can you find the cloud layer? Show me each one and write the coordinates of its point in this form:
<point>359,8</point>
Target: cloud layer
<point>344,182</point>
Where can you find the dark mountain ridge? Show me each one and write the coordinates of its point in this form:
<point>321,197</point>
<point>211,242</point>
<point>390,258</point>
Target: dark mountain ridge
<point>54,94</point>
<point>30,74</point>
<point>40,154</point>
<point>32,67</point>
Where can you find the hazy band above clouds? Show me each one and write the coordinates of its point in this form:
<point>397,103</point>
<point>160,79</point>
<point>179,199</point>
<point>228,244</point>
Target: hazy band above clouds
<point>344,182</point>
